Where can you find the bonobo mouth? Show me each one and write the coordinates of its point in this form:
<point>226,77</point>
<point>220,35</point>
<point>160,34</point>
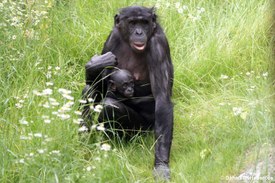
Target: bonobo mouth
<point>129,95</point>
<point>140,46</point>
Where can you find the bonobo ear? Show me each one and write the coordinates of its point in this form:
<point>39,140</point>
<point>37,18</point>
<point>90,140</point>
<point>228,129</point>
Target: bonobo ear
<point>154,17</point>
<point>117,19</point>
<point>112,85</point>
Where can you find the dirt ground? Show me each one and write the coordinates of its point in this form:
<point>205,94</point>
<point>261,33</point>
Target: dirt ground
<point>259,166</point>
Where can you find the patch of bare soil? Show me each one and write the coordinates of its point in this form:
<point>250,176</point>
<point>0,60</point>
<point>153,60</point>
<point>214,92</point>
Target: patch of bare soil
<point>260,168</point>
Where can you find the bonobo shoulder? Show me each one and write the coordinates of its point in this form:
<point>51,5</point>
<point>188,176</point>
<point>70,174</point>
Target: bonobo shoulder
<point>112,42</point>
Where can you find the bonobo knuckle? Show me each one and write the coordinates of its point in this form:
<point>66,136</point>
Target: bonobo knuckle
<point>88,65</point>
<point>108,55</point>
<point>94,56</point>
<point>107,59</point>
<point>110,58</point>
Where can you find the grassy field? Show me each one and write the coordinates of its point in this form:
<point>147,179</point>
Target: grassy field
<point>223,91</point>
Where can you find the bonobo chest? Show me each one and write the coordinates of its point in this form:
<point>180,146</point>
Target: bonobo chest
<point>135,63</point>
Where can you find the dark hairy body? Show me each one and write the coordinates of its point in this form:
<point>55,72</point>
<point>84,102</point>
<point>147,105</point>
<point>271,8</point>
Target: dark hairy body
<point>138,44</point>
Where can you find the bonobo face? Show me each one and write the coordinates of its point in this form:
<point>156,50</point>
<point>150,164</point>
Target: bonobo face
<point>136,24</point>
<point>123,83</point>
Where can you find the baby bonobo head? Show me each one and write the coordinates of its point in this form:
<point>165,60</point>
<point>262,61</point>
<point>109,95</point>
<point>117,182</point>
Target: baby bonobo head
<point>121,83</point>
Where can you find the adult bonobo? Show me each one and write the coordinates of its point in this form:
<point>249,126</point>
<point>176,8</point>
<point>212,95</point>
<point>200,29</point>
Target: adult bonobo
<point>138,44</point>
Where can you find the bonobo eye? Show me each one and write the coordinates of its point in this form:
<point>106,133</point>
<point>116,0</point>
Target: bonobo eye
<point>132,22</point>
<point>124,85</point>
<point>131,84</point>
<point>144,21</point>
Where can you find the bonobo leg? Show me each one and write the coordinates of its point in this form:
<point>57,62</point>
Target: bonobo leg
<point>163,134</point>
<point>119,118</point>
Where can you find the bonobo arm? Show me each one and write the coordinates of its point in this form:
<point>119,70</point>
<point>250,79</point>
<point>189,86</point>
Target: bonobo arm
<point>161,75</point>
<point>94,87</point>
<point>96,65</point>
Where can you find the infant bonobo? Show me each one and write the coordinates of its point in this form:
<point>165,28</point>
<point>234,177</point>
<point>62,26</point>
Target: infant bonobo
<point>121,84</point>
<point>120,88</point>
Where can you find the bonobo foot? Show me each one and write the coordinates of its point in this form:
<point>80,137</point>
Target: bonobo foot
<point>161,172</point>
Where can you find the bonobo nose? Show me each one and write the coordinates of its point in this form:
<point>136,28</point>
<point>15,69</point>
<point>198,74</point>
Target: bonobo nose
<point>139,32</point>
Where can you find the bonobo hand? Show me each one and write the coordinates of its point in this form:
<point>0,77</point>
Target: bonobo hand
<point>101,61</point>
<point>161,172</point>
<point>97,64</point>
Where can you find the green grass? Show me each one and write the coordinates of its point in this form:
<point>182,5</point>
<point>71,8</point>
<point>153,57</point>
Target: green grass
<point>230,38</point>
